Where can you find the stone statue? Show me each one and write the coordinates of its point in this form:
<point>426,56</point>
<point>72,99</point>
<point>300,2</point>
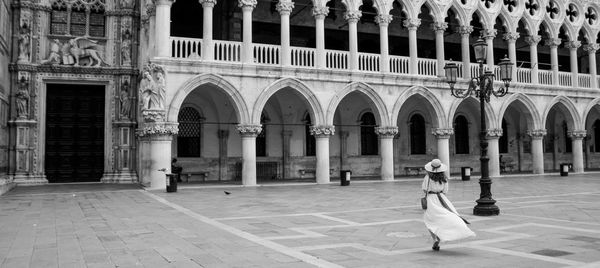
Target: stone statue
<point>82,47</point>
<point>161,85</point>
<point>153,88</point>
<point>126,48</point>
<point>125,101</point>
<point>147,88</point>
<point>54,57</point>
<point>22,99</point>
<point>24,43</point>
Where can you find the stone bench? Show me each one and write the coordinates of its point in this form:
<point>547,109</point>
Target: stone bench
<point>507,164</point>
<point>189,175</point>
<point>311,171</point>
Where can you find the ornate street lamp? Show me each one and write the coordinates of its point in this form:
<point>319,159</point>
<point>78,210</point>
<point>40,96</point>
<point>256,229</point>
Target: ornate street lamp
<point>482,86</point>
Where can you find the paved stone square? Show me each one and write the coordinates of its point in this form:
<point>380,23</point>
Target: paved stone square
<point>545,221</point>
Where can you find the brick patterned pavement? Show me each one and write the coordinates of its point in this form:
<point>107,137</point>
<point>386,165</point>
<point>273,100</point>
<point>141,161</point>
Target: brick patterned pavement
<point>545,221</point>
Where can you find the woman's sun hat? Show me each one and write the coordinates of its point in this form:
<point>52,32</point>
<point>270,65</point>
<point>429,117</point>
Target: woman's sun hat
<point>435,166</point>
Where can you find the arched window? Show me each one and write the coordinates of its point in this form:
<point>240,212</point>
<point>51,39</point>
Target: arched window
<point>368,138</point>
<point>190,133</point>
<point>568,143</point>
<point>78,18</point>
<point>261,139</point>
<point>597,136</point>
<point>503,141</point>
<point>418,138</point>
<point>461,135</point>
<point>309,138</point>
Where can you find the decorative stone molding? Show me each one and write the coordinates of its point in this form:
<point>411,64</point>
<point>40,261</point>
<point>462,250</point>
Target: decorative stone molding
<point>383,20</point>
<point>591,48</point>
<point>285,7</point>
<point>164,2</point>
<point>537,133</point>
<point>573,45</point>
<point>511,36</point>
<point>553,42</point>
<point>208,3</point>
<point>494,133</point>
<point>158,129</point>
<point>353,16</point>
<point>577,134</point>
<point>322,131</point>
<point>465,30</point>
<point>389,131</point>
<point>152,115</point>
<point>533,40</point>
<point>412,24</point>
<point>47,68</point>
<point>249,130</point>
<point>247,3</point>
<point>442,133</point>
<point>320,12</point>
<point>439,26</point>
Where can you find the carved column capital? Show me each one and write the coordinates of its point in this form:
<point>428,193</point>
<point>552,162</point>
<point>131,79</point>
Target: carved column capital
<point>284,7</point>
<point>511,37</point>
<point>442,133</point>
<point>493,133</point>
<point>533,40</point>
<point>247,3</point>
<point>320,12</point>
<point>207,3</point>
<point>353,16</point>
<point>490,34</point>
<point>553,42</point>
<point>386,132</point>
<point>573,45</point>
<point>577,134</point>
<point>249,130</point>
<point>439,26</point>
<point>322,131</point>
<point>537,133</point>
<point>591,48</point>
<point>384,20</point>
<point>465,30</point>
<point>412,24</point>
<point>152,129</point>
<point>164,2</point>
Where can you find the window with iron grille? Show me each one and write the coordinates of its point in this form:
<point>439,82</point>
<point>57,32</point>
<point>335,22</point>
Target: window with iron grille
<point>190,133</point>
<point>368,138</point>
<point>78,18</point>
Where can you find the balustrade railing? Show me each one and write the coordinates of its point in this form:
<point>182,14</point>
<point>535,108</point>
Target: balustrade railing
<point>230,51</point>
<point>368,62</point>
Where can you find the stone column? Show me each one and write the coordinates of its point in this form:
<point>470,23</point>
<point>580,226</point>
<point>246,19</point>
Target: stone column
<point>537,149</point>
<point>511,39</point>
<point>249,133</point>
<point>591,50</point>
<point>223,154</point>
<point>533,42</point>
<point>386,146</point>
<point>493,135</point>
<point>322,134</point>
<point>320,13</point>
<point>577,137</point>
<point>412,25</point>
<point>573,46</point>
<point>439,28</point>
<point>284,7</point>
<point>384,61</point>
<point>207,31</point>
<point>489,36</point>
<point>443,147</point>
<point>163,27</point>
<point>352,17</point>
<point>553,43</point>
<point>247,47</point>
<point>465,33</point>
<point>155,154</point>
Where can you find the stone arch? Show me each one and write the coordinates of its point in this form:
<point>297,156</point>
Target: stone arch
<point>574,121</point>
<point>184,90</point>
<point>427,95</point>
<point>380,110</point>
<point>533,116</point>
<point>295,84</point>
<point>589,108</point>
<point>489,113</point>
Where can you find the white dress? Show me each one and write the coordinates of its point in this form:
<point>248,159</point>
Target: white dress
<point>445,224</point>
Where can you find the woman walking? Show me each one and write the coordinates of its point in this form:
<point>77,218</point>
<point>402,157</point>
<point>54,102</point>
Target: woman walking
<point>441,218</point>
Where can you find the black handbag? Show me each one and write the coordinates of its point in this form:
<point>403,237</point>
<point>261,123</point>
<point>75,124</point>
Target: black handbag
<point>424,199</point>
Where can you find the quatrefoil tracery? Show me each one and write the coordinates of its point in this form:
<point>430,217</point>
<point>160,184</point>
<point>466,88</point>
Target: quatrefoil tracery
<point>552,10</point>
<point>532,6</point>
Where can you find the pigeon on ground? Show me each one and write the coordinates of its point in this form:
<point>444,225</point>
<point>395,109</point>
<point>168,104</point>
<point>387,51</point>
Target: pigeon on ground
<point>227,193</point>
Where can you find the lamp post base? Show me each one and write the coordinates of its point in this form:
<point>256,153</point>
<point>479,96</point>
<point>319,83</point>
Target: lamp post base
<point>486,207</point>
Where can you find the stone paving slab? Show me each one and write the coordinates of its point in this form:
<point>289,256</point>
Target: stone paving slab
<point>545,221</point>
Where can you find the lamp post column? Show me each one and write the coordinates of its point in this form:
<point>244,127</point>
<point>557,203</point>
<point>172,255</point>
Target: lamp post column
<point>443,147</point>
<point>352,17</point>
<point>386,145</point>
<point>322,134</point>
<point>493,135</point>
<point>439,28</point>
<point>577,137</point>
<point>412,25</point>
<point>284,7</point>
<point>573,46</point>
<point>247,47</point>
<point>553,43</point>
<point>490,34</point>
<point>511,39</point>
<point>591,50</point>
<point>533,42</point>
<point>207,31</point>
<point>320,13</point>
<point>465,33</point>
<point>249,133</point>
<point>537,149</point>
<point>384,21</point>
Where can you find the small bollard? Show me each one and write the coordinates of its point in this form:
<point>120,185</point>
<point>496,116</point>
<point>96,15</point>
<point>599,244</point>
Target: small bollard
<point>345,177</point>
<point>171,183</point>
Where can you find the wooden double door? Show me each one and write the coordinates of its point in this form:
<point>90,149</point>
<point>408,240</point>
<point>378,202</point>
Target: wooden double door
<point>74,133</point>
